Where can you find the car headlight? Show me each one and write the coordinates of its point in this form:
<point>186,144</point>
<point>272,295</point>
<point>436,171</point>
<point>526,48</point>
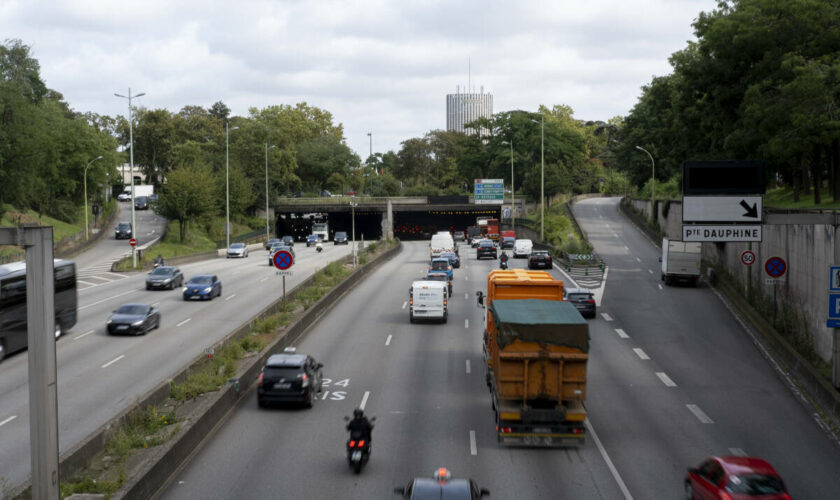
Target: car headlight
<point>109,321</point>
<point>137,323</point>
<point>207,290</point>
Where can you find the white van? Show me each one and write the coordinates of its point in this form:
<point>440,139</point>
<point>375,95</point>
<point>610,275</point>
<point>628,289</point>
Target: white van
<point>427,300</point>
<point>441,242</point>
<point>522,248</point>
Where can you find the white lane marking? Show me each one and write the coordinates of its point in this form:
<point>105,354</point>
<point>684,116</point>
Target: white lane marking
<point>466,278</point>
<point>621,333</point>
<point>606,317</point>
<point>626,248</point>
<point>86,283</point>
<point>230,297</point>
<point>106,280</point>
<point>109,363</point>
<point>640,353</point>
<point>638,259</point>
<point>106,300</point>
<point>466,323</point>
<point>405,304</point>
<point>467,296</point>
<point>666,379</point>
<point>615,234</point>
<point>660,286</point>
<point>263,279</point>
<point>364,400</point>
<point>388,340</point>
<point>184,322</point>
<point>83,335</point>
<point>473,448</point>
<point>650,271</point>
<point>734,451</point>
<point>115,274</point>
<point>702,417</point>
<point>610,465</point>
<point>8,420</point>
<point>468,366</point>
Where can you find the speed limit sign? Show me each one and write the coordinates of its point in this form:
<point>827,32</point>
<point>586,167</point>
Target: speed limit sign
<point>747,258</point>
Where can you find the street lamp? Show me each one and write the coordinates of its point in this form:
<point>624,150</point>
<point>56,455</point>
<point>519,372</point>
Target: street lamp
<point>266,188</point>
<point>131,169</point>
<point>652,178</point>
<point>227,181</point>
<point>542,176</point>
<point>86,210</point>
<point>353,205</point>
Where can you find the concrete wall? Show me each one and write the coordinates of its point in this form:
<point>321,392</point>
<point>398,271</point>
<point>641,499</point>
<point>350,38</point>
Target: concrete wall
<point>807,248</point>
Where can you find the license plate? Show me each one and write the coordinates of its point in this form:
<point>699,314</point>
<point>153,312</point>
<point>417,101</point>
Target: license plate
<point>282,386</point>
<point>356,456</point>
<point>194,297</point>
<point>122,327</point>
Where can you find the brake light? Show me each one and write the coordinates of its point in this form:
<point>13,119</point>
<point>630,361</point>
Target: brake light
<point>361,443</point>
<point>352,443</point>
<point>590,301</point>
<point>724,496</point>
<point>260,380</point>
<point>577,430</point>
<point>505,430</point>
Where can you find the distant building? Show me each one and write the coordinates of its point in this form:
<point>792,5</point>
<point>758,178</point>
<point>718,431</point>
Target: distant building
<point>464,108</point>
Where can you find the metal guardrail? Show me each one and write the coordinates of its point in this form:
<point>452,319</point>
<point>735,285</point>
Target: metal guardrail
<point>377,200</point>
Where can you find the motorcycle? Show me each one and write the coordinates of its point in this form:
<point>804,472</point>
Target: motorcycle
<point>319,247</point>
<point>358,450</point>
<point>503,264</point>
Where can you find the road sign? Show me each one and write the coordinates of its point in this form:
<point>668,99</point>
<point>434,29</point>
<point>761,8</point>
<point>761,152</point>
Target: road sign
<point>834,307</point>
<point>282,259</point>
<point>489,191</point>
<point>747,258</point>
<point>132,242</point>
<point>834,279</point>
<point>722,209</point>
<point>724,177</point>
<point>731,232</point>
<point>284,273</point>
<point>775,267</point>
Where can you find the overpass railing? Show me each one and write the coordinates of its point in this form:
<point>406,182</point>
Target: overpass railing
<point>373,200</point>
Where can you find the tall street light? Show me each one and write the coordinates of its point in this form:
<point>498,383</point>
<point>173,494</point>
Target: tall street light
<point>227,181</point>
<point>652,180</point>
<point>267,147</point>
<point>353,205</point>
<point>542,176</point>
<point>86,210</point>
<point>134,231</point>
<point>512,193</point>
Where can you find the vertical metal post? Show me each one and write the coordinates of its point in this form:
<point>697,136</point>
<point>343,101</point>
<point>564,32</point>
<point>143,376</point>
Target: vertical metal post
<point>512,193</point>
<point>266,192</point>
<point>542,179</point>
<point>134,232</point>
<point>284,288</point>
<point>227,182</point>
<point>835,358</point>
<point>353,216</point>
<point>43,396</point>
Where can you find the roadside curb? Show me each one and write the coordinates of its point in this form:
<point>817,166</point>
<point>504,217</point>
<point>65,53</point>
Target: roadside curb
<point>808,385</point>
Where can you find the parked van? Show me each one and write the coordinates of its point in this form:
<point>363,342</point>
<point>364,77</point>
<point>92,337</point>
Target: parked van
<point>427,300</point>
<point>441,242</point>
<point>522,248</point>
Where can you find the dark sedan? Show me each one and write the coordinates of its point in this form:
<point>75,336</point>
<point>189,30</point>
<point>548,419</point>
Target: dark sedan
<point>203,287</point>
<point>312,240</point>
<point>133,319</point>
<point>441,485</point>
<point>583,300</point>
<point>340,238</point>
<point>165,277</point>
<point>454,260</point>
<point>289,377</point>
<point>123,231</point>
<point>288,240</point>
<point>141,203</point>
<point>539,258</point>
<point>507,243</point>
<point>486,249</point>
<point>273,242</point>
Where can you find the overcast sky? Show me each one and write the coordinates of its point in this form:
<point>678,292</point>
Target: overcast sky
<point>378,66</point>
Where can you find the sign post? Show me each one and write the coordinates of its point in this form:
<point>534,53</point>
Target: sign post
<point>775,267</point>
<point>283,260</point>
<point>834,320</point>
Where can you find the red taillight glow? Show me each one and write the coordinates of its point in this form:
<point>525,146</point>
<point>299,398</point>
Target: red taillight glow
<point>590,301</point>
<point>352,443</point>
<point>505,430</point>
<point>259,380</point>
<point>577,431</point>
<point>361,443</point>
<point>724,496</point>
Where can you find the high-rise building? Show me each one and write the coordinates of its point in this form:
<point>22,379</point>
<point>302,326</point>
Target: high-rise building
<point>464,108</point>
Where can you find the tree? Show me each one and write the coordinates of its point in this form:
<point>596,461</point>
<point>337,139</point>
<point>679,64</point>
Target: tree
<point>187,195</point>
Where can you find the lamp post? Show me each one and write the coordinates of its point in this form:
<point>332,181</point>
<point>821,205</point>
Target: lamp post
<point>542,176</point>
<point>131,168</point>
<point>512,193</point>
<point>267,147</point>
<point>86,210</point>
<point>227,181</point>
<point>353,226</point>
<point>652,181</point>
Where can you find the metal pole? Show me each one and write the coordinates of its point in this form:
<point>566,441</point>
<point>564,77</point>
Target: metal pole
<point>131,169</point>
<point>652,184</point>
<point>227,182</point>
<point>266,194</point>
<point>512,192</point>
<point>86,198</point>
<point>542,179</point>
<point>353,216</point>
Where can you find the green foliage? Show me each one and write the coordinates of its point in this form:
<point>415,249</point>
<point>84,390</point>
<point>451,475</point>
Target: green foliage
<point>617,182</point>
<point>187,196</point>
<point>670,190</point>
<point>92,486</point>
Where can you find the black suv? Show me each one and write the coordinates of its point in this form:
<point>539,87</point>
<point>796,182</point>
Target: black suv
<point>583,300</point>
<point>289,377</point>
<point>123,231</point>
<point>169,277</point>
<point>486,249</point>
<point>539,258</point>
<point>340,238</point>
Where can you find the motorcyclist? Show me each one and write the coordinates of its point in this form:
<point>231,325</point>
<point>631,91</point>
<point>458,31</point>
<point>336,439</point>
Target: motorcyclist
<point>318,246</point>
<point>360,427</point>
<point>503,259</point>
<point>159,260</point>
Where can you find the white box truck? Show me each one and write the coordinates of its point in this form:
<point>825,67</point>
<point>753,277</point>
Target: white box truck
<point>680,261</point>
<point>139,190</point>
<point>427,301</point>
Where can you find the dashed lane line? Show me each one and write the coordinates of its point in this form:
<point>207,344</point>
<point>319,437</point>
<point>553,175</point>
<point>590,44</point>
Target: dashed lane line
<point>641,354</point>
<point>606,317</point>
<point>230,297</point>
<point>388,340</point>
<point>621,333</point>
<point>184,322</point>
<point>666,379</point>
<point>4,422</point>
<point>466,323</point>
<point>404,304</point>
<point>83,335</point>
<point>702,417</point>
<point>468,366</point>
<point>106,300</point>
<point>473,447</point>
<point>109,363</point>
<point>364,400</point>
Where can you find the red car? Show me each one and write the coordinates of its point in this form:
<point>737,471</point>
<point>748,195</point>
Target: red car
<point>735,478</point>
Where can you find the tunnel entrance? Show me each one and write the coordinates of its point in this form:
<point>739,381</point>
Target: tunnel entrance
<point>299,225</point>
<point>423,224</point>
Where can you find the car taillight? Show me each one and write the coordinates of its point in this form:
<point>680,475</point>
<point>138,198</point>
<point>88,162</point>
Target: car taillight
<point>361,443</point>
<point>724,496</point>
<point>305,380</point>
<point>590,301</point>
<point>577,431</point>
<point>352,443</point>
<point>505,430</point>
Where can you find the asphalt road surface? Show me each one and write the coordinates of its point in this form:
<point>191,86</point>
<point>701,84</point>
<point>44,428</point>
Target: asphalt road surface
<point>673,378</point>
<point>99,376</point>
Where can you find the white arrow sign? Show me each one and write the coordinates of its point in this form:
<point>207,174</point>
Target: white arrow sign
<point>722,209</point>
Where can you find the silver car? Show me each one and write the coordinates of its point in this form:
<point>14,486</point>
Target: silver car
<point>237,250</point>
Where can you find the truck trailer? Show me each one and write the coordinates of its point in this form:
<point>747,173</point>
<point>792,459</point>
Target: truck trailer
<point>536,347</point>
<point>680,261</point>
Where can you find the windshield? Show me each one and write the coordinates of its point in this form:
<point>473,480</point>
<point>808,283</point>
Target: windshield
<point>755,484</point>
<point>132,309</point>
<point>238,245</point>
<point>200,280</point>
<point>440,266</point>
<point>340,234</point>
<point>163,271</point>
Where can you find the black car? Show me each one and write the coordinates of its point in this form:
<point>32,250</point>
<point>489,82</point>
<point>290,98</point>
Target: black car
<point>507,243</point>
<point>271,242</point>
<point>165,277</point>
<point>583,300</point>
<point>486,249</point>
<point>441,486</point>
<point>123,231</point>
<point>340,238</point>
<point>289,377</point>
<point>141,203</point>
<point>539,259</point>
<point>276,248</point>
<point>312,240</point>
<point>133,319</point>
<point>454,260</point>
<point>289,241</point>
<point>440,276</point>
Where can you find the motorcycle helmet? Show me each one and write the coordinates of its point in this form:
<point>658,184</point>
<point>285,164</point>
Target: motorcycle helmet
<point>358,413</point>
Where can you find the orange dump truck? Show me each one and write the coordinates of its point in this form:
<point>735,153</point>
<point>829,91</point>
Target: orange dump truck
<point>536,347</point>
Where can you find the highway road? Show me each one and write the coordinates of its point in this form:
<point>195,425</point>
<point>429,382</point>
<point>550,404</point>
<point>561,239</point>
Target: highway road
<point>673,378</point>
<point>99,376</point>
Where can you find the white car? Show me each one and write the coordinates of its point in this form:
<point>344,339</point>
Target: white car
<point>237,250</point>
<point>522,248</point>
<point>123,197</point>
